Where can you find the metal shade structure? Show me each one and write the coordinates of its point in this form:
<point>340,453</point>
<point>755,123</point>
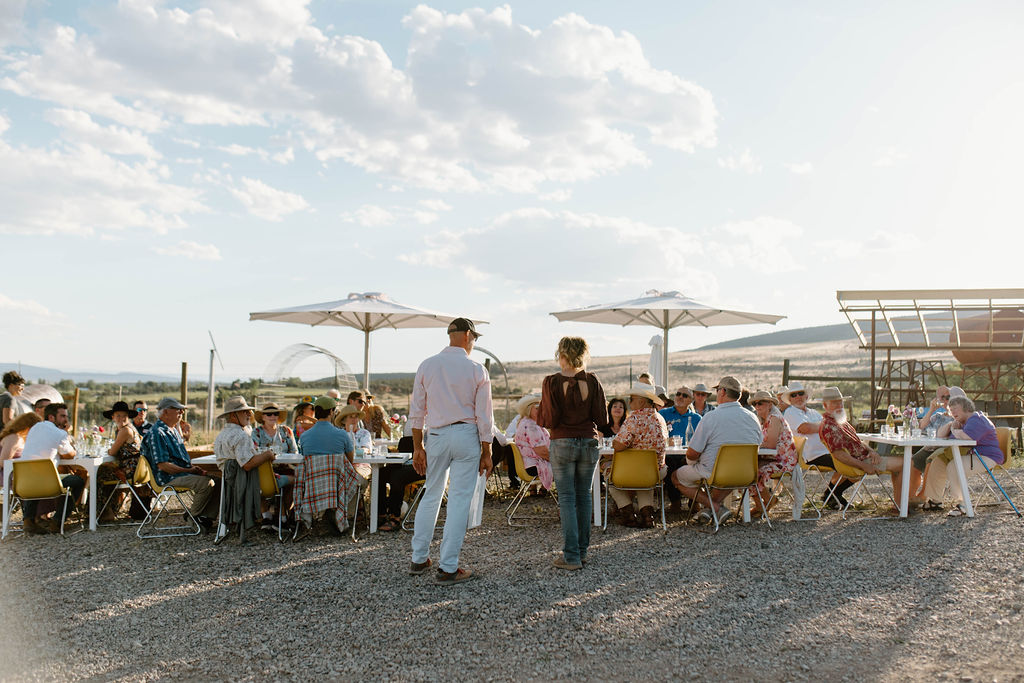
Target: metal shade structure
<point>367,311</point>
<point>664,310</point>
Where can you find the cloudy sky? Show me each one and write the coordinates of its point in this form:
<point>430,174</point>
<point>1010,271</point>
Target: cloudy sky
<point>168,166</point>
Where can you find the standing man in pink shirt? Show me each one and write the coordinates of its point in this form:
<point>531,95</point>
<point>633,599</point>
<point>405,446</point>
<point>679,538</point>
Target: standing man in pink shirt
<point>451,399</point>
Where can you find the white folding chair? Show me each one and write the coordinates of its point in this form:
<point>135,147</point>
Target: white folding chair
<point>162,495</point>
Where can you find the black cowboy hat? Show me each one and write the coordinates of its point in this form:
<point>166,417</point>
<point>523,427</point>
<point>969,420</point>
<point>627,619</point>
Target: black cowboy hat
<point>120,407</point>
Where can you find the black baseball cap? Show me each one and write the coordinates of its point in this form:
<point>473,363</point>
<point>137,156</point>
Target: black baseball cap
<point>463,325</point>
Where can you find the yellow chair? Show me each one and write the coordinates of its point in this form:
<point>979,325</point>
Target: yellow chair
<point>269,490</point>
<point>735,470</point>
<point>860,476</point>
<point>158,507</point>
<point>525,480</point>
<point>799,441</point>
<point>635,470</point>
<point>39,480</point>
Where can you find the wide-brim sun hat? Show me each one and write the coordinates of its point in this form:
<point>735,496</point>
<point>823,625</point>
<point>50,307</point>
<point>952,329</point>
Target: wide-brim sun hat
<point>235,404</point>
<point>339,417</point>
<point>701,388</point>
<point>647,391</point>
<point>833,394</point>
<point>282,414</point>
<point>523,406</point>
<point>759,396</point>
<point>120,407</point>
<point>782,391</point>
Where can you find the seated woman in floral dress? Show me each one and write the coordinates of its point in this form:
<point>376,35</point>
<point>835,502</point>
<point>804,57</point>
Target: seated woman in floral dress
<point>644,429</point>
<point>777,435</point>
<point>533,441</point>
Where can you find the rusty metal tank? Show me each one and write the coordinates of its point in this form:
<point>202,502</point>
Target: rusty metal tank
<point>1007,328</point>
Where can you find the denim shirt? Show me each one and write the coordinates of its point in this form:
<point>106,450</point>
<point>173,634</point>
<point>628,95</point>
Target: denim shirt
<point>163,444</point>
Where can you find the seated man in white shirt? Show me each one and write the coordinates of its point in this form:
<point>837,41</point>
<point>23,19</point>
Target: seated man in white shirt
<point>805,422</point>
<point>235,443</point>
<point>50,439</point>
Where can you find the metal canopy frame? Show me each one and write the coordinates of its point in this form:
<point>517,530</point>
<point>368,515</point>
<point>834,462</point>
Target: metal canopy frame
<point>931,319</point>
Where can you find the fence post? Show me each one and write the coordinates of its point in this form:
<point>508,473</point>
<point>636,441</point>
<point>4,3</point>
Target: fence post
<point>785,372</point>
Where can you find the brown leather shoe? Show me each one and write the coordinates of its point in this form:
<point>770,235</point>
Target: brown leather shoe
<point>34,528</point>
<point>646,519</point>
<point>628,517</point>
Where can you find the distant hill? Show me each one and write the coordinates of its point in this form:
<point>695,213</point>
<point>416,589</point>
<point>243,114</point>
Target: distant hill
<point>804,335</point>
<point>34,373</point>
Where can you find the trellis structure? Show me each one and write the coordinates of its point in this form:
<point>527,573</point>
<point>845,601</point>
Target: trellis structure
<point>983,328</point>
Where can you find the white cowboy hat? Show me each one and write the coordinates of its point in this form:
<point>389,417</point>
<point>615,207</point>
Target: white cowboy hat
<point>795,387</point>
<point>523,406</point>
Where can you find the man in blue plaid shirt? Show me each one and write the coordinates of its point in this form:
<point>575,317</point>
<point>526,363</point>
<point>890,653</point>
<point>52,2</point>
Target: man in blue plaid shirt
<point>165,450</point>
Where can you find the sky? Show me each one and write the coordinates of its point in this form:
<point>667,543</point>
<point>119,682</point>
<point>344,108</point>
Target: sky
<point>168,167</point>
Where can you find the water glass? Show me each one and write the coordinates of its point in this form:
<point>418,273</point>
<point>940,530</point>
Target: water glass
<point>677,441</point>
<point>930,432</point>
<point>899,431</point>
<point>915,432</point>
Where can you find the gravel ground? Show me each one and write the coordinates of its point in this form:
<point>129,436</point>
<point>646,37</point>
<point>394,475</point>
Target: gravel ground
<point>924,598</point>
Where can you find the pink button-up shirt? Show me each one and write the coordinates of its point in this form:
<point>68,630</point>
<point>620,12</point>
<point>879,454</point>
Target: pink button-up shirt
<point>451,387</point>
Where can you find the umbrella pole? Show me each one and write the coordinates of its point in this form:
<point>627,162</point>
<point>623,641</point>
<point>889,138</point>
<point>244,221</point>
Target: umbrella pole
<point>366,357</point>
<point>664,354</point>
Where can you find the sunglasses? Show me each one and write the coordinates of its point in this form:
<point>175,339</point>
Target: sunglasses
<point>681,394</point>
<point>761,403</point>
<point>945,397</point>
<point>797,393</point>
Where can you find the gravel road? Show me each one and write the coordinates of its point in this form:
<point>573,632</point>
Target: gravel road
<point>924,598</point>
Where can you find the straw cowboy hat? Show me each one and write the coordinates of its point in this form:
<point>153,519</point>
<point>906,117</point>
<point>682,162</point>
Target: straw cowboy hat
<point>647,391</point>
<point>701,388</point>
<point>781,391</point>
<point>235,404</point>
<point>339,417</point>
<point>523,406</point>
<point>272,407</point>
<point>759,396</point>
<point>833,394</point>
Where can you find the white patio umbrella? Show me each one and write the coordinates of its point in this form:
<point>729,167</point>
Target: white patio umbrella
<point>34,392</point>
<point>368,311</point>
<point>664,310</point>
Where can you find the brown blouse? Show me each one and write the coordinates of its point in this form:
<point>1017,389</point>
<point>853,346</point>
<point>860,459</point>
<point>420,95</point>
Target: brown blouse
<point>565,412</point>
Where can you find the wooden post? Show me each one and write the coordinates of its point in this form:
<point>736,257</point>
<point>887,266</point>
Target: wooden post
<point>785,372</point>
<point>184,384</point>
<point>74,412</point>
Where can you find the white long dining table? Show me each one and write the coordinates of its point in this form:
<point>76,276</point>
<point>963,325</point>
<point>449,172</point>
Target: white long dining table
<point>670,450</point>
<point>908,443</point>
<point>376,462</point>
<point>89,463</point>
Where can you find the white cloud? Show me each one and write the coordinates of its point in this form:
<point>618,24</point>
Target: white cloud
<point>889,156</point>
<point>526,248</point>
<point>481,101</point>
<point>267,202</point>
<point>78,189</point>
<point>425,217</point>
<point>78,126</point>
<point>744,162</point>
<point>562,195</point>
<point>435,204</point>
<point>801,168</point>
<point>11,12</point>
<point>25,306</point>
<point>234,149</point>
<point>191,250</point>
<point>370,216</point>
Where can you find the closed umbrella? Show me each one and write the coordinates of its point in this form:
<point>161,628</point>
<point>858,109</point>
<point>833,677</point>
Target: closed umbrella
<point>368,311</point>
<point>664,310</point>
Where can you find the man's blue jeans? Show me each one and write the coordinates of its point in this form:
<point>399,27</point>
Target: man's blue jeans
<point>573,462</point>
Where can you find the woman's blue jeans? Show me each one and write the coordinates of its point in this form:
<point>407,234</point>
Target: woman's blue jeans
<point>572,463</point>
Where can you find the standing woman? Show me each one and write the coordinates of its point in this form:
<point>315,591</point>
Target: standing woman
<point>572,408</point>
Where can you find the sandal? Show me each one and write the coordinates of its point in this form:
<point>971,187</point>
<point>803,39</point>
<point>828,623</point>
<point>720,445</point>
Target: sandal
<point>931,506</point>
<point>391,523</point>
<point>956,511</point>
